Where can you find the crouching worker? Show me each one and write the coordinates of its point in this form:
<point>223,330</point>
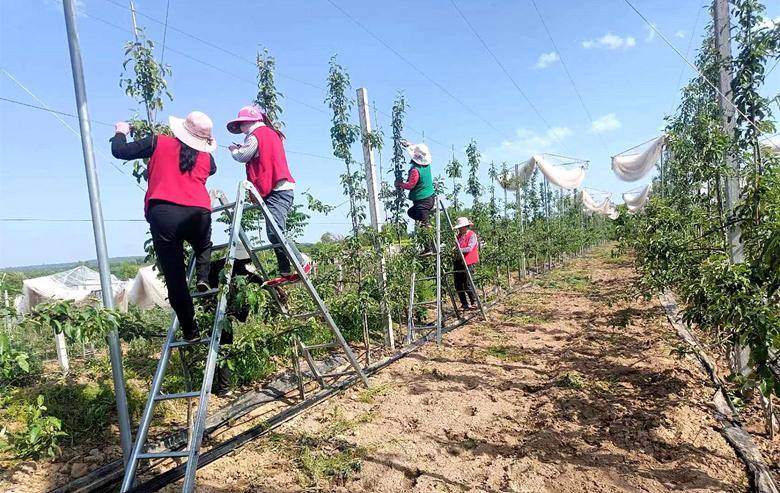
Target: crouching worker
<point>177,204</point>
<point>419,183</point>
<point>468,244</point>
<point>266,167</point>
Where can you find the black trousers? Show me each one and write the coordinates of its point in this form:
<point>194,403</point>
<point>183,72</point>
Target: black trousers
<point>421,209</point>
<point>171,225</point>
<point>462,282</point>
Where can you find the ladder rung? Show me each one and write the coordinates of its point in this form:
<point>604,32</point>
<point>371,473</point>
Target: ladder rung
<point>426,303</point>
<point>424,327</point>
<point>163,455</point>
<point>307,314</point>
<point>453,272</point>
<point>180,395</point>
<point>219,247</point>
<point>320,346</point>
<point>337,374</point>
<point>267,247</point>
<point>210,292</point>
<point>431,278</point>
<point>189,343</point>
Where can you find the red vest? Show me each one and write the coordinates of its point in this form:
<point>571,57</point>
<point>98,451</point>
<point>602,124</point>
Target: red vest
<point>463,241</point>
<point>168,183</point>
<point>269,166</point>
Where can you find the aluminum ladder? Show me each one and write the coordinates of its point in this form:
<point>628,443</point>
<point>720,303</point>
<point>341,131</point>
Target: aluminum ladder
<point>197,426</point>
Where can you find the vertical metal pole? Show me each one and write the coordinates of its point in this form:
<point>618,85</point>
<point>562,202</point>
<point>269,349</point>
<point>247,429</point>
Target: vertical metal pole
<point>438,272</point>
<point>722,25</point>
<point>114,349</point>
<point>373,209</point>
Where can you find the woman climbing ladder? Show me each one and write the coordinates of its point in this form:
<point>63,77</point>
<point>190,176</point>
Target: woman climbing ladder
<point>419,182</point>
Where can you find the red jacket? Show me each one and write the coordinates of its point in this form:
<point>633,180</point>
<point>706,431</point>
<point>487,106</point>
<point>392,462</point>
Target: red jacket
<point>269,166</point>
<point>168,183</point>
<point>472,256</point>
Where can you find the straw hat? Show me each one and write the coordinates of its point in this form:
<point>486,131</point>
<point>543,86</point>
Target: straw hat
<point>245,114</point>
<point>461,222</point>
<point>419,154</point>
<point>195,131</point>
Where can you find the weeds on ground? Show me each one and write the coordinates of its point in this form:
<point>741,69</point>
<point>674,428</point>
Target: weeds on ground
<point>507,353</point>
<point>565,280</point>
<point>368,395</point>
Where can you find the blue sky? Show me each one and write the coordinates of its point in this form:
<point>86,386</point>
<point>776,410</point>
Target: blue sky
<point>627,78</point>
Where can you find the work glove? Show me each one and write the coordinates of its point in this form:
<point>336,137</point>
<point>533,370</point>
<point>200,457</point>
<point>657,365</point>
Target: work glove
<point>122,128</point>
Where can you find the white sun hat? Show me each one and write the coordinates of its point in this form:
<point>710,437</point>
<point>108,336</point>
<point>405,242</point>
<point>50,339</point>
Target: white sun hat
<point>461,222</point>
<point>419,154</point>
<point>195,131</point>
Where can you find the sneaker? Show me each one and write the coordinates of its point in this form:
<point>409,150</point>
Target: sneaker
<point>194,335</point>
<point>202,286</point>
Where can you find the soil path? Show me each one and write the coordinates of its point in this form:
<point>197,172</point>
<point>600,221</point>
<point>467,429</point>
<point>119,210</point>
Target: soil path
<point>571,386</point>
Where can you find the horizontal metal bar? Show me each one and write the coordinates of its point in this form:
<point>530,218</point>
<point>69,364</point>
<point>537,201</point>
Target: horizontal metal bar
<point>270,246</point>
<point>180,395</point>
<point>320,346</point>
<point>453,272</point>
<point>210,292</point>
<point>307,314</point>
<point>426,303</point>
<point>220,246</point>
<point>163,455</point>
<point>189,343</point>
<point>432,278</point>
<point>338,374</point>
<point>220,208</point>
<point>424,327</point>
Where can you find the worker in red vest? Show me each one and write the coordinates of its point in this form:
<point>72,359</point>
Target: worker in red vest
<point>266,167</point>
<point>468,243</point>
<point>177,204</point>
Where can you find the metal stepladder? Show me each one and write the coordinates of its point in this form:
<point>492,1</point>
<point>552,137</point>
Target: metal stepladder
<point>442,278</point>
<point>197,426</point>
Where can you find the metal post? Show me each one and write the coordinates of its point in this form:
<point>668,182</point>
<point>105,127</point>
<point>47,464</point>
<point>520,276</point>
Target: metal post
<point>149,113</point>
<point>438,272</point>
<point>114,349</point>
<point>373,209</point>
<point>722,25</point>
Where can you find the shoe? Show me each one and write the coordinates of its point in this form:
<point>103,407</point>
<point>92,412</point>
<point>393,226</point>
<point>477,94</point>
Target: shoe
<point>202,286</point>
<point>465,308</point>
<point>191,336</point>
<point>308,267</point>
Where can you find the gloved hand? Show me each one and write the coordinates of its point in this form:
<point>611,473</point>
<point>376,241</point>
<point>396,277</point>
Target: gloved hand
<point>122,128</point>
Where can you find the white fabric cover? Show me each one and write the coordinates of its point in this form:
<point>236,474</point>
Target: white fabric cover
<point>148,290</point>
<point>635,201</point>
<point>772,142</point>
<point>592,206</point>
<point>567,179</point>
<point>77,284</point>
<point>633,167</point>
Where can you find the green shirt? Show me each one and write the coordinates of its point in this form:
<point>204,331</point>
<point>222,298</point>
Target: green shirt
<point>424,187</point>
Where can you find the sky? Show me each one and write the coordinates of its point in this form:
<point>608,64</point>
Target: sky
<point>628,78</point>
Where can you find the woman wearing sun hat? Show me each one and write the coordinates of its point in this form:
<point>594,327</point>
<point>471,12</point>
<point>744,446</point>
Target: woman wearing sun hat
<point>468,243</point>
<point>177,204</point>
<point>266,167</point>
<point>419,182</point>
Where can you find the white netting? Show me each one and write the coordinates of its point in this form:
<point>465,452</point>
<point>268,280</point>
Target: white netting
<point>591,205</point>
<point>567,179</point>
<point>635,201</point>
<point>632,167</point>
<point>772,142</point>
<point>148,290</point>
<point>77,284</point>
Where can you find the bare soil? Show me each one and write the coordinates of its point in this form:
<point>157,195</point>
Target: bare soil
<point>570,386</point>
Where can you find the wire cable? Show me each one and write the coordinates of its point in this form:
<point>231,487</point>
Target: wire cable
<point>418,70</point>
<point>694,67</point>
<point>687,53</point>
<point>568,73</point>
<point>165,31</point>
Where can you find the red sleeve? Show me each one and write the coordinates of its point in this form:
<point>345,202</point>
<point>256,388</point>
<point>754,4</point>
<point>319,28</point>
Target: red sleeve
<point>414,177</point>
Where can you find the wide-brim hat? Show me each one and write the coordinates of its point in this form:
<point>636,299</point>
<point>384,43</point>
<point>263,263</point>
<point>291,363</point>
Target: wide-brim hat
<point>195,131</point>
<point>419,154</point>
<point>245,114</point>
<point>461,222</point>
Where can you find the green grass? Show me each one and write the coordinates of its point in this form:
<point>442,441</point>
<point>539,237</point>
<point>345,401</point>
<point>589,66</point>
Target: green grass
<point>368,395</point>
<point>572,380</point>
<point>507,353</point>
<point>566,280</point>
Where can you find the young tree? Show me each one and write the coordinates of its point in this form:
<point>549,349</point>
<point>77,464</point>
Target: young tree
<point>267,96</point>
<point>398,160</point>
<point>473,186</point>
<point>454,171</point>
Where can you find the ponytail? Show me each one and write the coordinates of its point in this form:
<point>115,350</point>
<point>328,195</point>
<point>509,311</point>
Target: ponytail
<point>187,157</point>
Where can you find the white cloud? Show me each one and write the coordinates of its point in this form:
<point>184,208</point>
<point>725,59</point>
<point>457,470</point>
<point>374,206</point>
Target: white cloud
<point>528,142</point>
<point>650,33</point>
<point>610,42</point>
<point>768,23</point>
<point>546,59</point>
<point>680,34</point>
<point>606,123</point>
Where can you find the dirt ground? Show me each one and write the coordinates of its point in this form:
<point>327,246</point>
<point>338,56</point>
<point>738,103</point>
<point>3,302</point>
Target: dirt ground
<point>570,386</point>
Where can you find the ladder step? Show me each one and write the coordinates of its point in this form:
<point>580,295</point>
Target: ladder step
<point>267,247</point>
<point>424,327</point>
<point>189,343</point>
<point>320,346</point>
<point>180,395</point>
<point>307,314</point>
<point>203,294</point>
<point>431,278</point>
<point>337,374</point>
<point>163,455</point>
<point>426,303</point>
<point>221,246</point>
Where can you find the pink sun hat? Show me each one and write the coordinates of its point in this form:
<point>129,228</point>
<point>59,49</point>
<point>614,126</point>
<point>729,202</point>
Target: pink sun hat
<point>245,114</point>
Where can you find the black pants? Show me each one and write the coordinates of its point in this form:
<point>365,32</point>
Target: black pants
<point>171,225</point>
<point>462,282</point>
<point>279,204</point>
<point>421,209</point>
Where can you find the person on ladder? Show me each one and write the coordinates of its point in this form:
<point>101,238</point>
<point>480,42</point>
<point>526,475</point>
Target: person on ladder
<point>177,204</point>
<point>419,183</point>
<point>266,167</point>
<point>468,243</point>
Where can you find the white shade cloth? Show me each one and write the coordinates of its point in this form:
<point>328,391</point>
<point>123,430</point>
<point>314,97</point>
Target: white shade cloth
<point>567,179</point>
<point>635,201</point>
<point>79,284</point>
<point>589,204</point>
<point>632,167</point>
<point>148,290</point>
